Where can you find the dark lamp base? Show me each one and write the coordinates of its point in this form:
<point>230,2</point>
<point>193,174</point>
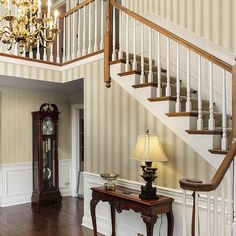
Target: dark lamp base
<point>149,193</point>
<point>149,175</point>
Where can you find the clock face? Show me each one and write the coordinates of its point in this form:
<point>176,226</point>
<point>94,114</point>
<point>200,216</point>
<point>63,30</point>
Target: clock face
<point>48,127</point>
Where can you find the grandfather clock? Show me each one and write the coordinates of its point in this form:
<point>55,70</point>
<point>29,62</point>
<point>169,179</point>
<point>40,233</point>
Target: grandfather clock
<point>45,154</point>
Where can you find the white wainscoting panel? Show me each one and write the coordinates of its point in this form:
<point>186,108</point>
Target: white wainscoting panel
<point>16,182</point>
<point>130,223</point>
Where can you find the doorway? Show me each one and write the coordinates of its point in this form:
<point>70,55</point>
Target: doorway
<point>77,150</point>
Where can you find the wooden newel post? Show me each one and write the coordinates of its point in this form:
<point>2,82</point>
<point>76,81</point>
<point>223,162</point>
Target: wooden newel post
<point>108,46</point>
<point>234,102</point>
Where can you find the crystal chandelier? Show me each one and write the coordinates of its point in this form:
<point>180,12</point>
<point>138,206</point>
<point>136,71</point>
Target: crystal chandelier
<point>23,24</point>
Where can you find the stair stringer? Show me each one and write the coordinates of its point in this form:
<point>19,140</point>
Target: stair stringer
<point>199,143</point>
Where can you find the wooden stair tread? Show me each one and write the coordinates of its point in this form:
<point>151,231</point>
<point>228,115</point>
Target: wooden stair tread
<point>192,113</point>
<point>205,132</point>
<point>136,86</point>
<point>182,114</point>
<point>159,99</point>
<point>218,151</point>
<point>117,61</point>
<point>171,98</point>
<point>131,72</point>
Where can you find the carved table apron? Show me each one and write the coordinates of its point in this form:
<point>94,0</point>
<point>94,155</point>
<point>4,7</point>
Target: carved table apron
<point>126,199</point>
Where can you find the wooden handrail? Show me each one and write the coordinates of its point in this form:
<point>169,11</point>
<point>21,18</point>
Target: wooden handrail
<point>196,185</point>
<point>76,8</point>
<point>174,37</point>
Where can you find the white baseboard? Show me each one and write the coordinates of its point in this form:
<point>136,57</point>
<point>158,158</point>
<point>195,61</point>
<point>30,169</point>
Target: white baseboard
<point>130,223</point>
<point>16,182</point>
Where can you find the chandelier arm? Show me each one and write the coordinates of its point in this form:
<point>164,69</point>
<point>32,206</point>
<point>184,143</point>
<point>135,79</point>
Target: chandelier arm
<point>47,39</point>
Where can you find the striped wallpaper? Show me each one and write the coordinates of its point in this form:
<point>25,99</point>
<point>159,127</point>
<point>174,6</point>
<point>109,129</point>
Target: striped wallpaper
<point>113,119</point>
<point>16,123</point>
<point>214,20</point>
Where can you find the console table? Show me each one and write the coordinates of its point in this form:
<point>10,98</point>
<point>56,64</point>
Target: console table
<point>126,199</point>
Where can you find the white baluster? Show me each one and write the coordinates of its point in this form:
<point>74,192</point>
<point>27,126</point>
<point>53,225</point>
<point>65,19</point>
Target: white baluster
<point>211,121</point>
<point>150,73</point>
<point>51,52</point>
<point>58,44</point>
<point>73,35</point>
<point>134,65</point>
<point>178,103</point>
<point>38,52</point>
<point>31,30</point>
<point>127,44</point>
<point>142,77</point>
<point>168,87</point>
<point>159,89</point>
<point>184,213</point>
<point>45,50</point>
<point>224,140</point>
<point>15,47</point>
<point>230,193</point>
<point>215,220</point>
<point>114,35</point>
<point>102,25</point>
<point>89,30</point>
<point>199,120</point>
<point>222,211</point>
<point>15,52</point>
<point>120,54</point>
<point>1,13</point>
<point>84,33</point>
<point>78,35</point>
<point>188,101</point>
<point>64,41</point>
<point>196,215</point>
<point>232,202</point>
<point>96,27</point>
<point>68,38</point>
<point>208,215</point>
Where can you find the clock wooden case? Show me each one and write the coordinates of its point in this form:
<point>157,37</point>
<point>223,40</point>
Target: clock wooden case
<point>45,154</point>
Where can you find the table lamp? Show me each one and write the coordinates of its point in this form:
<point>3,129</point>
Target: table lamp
<point>148,149</point>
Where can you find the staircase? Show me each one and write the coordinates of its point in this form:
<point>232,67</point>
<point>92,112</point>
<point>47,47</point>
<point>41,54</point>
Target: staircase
<point>206,126</point>
<point>164,107</point>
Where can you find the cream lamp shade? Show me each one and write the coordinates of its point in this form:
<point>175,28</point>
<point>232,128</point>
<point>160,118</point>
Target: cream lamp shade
<point>149,149</point>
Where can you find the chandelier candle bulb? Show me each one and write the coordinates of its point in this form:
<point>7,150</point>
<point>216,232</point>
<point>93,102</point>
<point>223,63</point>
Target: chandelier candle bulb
<point>8,5</point>
<point>49,8</point>
<point>39,7</point>
<point>55,18</point>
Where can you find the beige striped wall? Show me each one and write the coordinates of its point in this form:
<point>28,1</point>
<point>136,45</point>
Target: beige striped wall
<point>113,119</point>
<point>214,20</point>
<point>16,123</point>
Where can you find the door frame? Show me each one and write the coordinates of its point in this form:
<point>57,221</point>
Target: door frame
<point>75,151</point>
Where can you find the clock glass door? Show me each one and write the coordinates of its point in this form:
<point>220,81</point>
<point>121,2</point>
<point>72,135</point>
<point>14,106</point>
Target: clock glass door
<point>48,154</point>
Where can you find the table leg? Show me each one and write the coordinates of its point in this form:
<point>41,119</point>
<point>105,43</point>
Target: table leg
<point>93,204</point>
<point>113,220</point>
<point>150,222</point>
<point>170,219</point>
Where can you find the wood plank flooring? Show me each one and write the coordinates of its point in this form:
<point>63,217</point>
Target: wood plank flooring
<point>53,219</point>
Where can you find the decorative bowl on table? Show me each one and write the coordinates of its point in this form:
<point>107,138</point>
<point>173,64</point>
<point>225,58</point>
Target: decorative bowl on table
<point>109,177</point>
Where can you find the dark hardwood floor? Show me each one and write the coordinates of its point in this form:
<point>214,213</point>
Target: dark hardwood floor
<point>53,219</point>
